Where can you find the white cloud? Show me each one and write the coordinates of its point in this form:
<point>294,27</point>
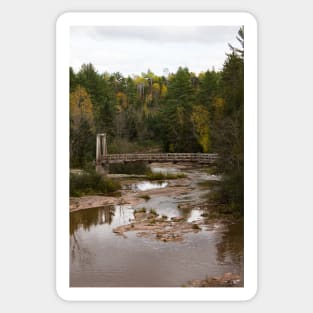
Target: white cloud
<point>132,50</point>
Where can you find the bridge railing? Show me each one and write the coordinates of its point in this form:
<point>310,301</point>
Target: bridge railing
<point>162,157</point>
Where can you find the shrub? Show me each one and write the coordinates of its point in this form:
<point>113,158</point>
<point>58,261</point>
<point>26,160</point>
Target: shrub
<point>91,183</point>
<point>142,210</point>
<point>153,211</point>
<point>195,226</point>
<point>152,221</point>
<point>137,168</point>
<point>161,176</point>
<point>146,197</point>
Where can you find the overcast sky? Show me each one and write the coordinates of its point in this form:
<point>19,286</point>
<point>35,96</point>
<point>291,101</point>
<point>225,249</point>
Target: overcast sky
<point>135,49</point>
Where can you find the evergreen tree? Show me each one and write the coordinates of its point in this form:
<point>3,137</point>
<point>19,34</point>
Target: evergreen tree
<point>102,97</point>
<point>228,132</point>
<point>176,122</point>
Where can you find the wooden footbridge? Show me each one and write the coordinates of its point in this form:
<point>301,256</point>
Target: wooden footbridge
<point>103,159</point>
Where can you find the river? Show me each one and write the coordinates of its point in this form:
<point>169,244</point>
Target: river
<point>101,258</point>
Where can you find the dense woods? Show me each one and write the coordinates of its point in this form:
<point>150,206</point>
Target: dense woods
<point>176,112</point>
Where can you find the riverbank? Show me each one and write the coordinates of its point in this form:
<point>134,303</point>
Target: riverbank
<point>226,280</point>
<point>130,196</point>
<point>151,226</point>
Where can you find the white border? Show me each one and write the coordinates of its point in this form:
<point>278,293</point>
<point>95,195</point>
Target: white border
<point>63,25</point>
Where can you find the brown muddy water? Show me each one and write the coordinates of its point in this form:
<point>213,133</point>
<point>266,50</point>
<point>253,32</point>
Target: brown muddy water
<point>101,258</point>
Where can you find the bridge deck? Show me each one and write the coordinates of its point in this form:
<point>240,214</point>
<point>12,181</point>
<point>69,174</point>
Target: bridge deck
<point>161,157</point>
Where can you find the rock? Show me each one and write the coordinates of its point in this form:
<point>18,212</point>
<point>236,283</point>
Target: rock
<point>227,280</point>
<point>184,206</point>
<point>177,218</point>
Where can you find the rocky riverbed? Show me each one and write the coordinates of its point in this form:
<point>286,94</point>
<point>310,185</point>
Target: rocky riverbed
<point>130,195</point>
<point>154,234</point>
<point>152,225</point>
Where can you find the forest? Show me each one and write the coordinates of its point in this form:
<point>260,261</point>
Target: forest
<point>175,112</point>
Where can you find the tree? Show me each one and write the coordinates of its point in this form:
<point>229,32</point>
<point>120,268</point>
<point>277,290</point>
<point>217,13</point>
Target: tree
<point>240,37</point>
<point>200,119</point>
<point>102,97</point>
<point>80,107</point>
<point>73,80</point>
<point>176,122</point>
<point>208,88</point>
<point>82,144</point>
<point>228,130</point>
<point>81,128</point>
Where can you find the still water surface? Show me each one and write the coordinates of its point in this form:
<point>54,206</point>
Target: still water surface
<point>100,258</point>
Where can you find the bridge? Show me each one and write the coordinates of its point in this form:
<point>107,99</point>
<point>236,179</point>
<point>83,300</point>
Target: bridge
<point>103,159</point>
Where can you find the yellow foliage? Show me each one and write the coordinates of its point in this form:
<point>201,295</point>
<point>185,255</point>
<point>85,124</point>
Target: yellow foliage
<point>218,104</point>
<point>156,87</point>
<point>118,109</point>
<point>149,98</point>
<point>156,90</point>
<point>164,90</point>
<point>201,75</point>
<point>80,106</point>
<point>200,119</point>
<point>145,109</point>
<point>121,100</point>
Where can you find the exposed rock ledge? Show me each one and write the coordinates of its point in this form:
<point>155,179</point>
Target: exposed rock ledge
<point>227,280</point>
<point>131,197</point>
<point>153,226</point>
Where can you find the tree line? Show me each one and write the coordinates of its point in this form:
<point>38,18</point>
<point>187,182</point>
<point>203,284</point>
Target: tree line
<point>177,112</point>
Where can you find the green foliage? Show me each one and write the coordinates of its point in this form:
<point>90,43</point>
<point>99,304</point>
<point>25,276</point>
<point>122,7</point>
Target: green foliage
<point>136,168</point>
<point>73,80</point>
<point>208,88</point>
<point>164,176</point>
<point>146,197</point>
<point>141,210</point>
<point>195,226</point>
<point>91,183</point>
<point>228,132</point>
<point>182,112</point>
<point>153,211</point>
<point>82,144</point>
<point>175,115</point>
<point>152,221</point>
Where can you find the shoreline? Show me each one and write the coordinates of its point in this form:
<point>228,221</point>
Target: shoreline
<point>175,187</point>
<point>157,227</point>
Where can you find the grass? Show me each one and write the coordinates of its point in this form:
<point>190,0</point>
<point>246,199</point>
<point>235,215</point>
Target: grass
<point>209,184</point>
<point>212,170</point>
<point>90,184</point>
<point>162,176</point>
<point>153,211</point>
<point>141,210</point>
<point>135,168</point>
<point>146,197</point>
<point>152,221</point>
<point>195,226</point>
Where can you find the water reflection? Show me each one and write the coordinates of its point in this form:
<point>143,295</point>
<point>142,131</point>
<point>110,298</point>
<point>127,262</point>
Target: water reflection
<point>100,258</point>
<point>230,248</point>
<point>91,217</point>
